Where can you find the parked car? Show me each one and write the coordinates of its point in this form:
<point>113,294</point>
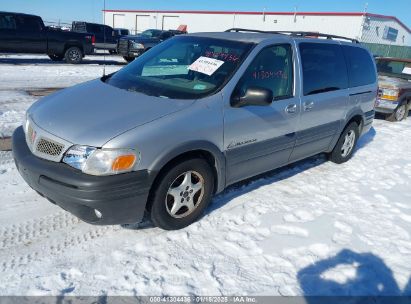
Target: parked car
<point>394,80</point>
<point>131,47</point>
<point>22,33</point>
<point>192,116</point>
<point>106,38</point>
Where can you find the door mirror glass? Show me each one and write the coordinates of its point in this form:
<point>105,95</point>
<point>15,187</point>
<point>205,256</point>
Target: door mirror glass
<point>253,96</point>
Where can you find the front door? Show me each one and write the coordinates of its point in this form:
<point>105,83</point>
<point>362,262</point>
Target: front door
<point>260,138</point>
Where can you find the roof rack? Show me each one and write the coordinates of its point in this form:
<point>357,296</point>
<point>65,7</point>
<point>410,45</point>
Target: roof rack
<point>252,31</point>
<point>295,34</point>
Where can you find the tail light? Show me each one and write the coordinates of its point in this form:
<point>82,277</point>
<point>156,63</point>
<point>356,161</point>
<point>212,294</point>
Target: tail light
<point>93,40</point>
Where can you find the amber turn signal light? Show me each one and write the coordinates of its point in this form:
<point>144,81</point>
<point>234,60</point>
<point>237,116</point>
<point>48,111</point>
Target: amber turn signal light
<point>123,162</point>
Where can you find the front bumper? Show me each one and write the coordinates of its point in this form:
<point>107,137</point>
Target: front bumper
<point>119,198</point>
<point>130,53</point>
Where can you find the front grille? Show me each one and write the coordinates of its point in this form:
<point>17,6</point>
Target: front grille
<point>49,147</point>
<point>123,46</point>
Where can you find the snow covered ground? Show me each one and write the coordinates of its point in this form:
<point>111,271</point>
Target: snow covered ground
<point>312,228</point>
<point>19,73</point>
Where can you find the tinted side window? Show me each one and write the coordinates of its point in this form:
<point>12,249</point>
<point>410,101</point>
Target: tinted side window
<point>324,68</point>
<point>7,22</point>
<point>361,68</point>
<point>29,24</point>
<point>109,31</point>
<point>95,29</point>
<point>271,69</point>
<point>165,35</point>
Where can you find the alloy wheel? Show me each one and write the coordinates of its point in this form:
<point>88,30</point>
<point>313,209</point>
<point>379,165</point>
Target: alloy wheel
<point>185,194</point>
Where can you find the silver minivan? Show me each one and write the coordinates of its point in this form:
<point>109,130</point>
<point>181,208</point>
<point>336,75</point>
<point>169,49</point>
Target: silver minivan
<point>191,116</point>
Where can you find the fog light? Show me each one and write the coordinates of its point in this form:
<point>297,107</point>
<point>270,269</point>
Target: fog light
<point>98,213</point>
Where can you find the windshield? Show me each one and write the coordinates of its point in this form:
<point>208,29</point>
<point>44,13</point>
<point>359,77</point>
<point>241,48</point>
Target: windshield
<point>151,33</point>
<point>394,68</point>
<point>182,68</point>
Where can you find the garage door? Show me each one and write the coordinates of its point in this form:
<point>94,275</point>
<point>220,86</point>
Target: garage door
<point>170,22</point>
<point>142,23</point>
<point>118,21</point>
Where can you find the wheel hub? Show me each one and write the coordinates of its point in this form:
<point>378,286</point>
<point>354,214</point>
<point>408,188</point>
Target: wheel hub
<point>185,194</point>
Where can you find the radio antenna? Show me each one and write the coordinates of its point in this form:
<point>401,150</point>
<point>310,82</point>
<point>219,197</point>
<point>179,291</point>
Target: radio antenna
<point>104,36</point>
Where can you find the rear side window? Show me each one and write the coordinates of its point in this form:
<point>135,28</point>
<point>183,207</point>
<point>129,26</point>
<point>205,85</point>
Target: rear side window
<point>324,68</point>
<point>7,22</point>
<point>95,29</point>
<point>361,68</point>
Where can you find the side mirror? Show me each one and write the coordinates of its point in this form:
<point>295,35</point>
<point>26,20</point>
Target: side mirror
<point>254,96</point>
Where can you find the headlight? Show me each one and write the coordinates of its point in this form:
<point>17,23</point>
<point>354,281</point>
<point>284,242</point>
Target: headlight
<point>95,161</point>
<point>136,45</point>
<point>390,94</point>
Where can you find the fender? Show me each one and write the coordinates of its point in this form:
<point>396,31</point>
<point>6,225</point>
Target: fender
<point>350,114</point>
<point>220,162</point>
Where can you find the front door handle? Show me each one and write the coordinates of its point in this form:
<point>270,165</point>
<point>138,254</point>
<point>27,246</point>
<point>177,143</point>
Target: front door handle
<point>292,108</point>
<point>308,105</point>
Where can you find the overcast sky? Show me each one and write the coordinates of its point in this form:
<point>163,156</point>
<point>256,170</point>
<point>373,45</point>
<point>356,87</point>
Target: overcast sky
<point>90,10</point>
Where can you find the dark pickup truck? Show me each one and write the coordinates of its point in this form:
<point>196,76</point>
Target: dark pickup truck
<point>131,47</point>
<point>22,33</point>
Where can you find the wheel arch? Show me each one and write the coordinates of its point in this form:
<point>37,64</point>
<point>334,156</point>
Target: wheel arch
<point>354,116</point>
<point>199,149</point>
<point>73,44</point>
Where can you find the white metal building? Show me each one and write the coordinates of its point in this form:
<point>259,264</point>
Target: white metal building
<point>365,27</point>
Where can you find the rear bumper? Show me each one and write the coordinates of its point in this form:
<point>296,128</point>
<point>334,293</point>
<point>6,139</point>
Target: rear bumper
<point>119,198</point>
<point>368,119</point>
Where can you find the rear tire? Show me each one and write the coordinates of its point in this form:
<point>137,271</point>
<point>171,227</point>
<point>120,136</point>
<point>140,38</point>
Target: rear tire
<point>73,55</point>
<point>54,57</point>
<point>182,194</point>
<point>345,146</point>
<point>400,113</point>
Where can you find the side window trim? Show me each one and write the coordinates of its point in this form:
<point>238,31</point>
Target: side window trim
<point>293,70</point>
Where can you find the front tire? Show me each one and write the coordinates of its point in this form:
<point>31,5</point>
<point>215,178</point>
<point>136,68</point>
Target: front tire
<point>182,194</point>
<point>400,113</point>
<point>73,55</point>
<point>345,146</point>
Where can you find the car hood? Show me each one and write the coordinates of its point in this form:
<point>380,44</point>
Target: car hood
<point>94,112</point>
<point>142,39</point>
<point>393,83</point>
